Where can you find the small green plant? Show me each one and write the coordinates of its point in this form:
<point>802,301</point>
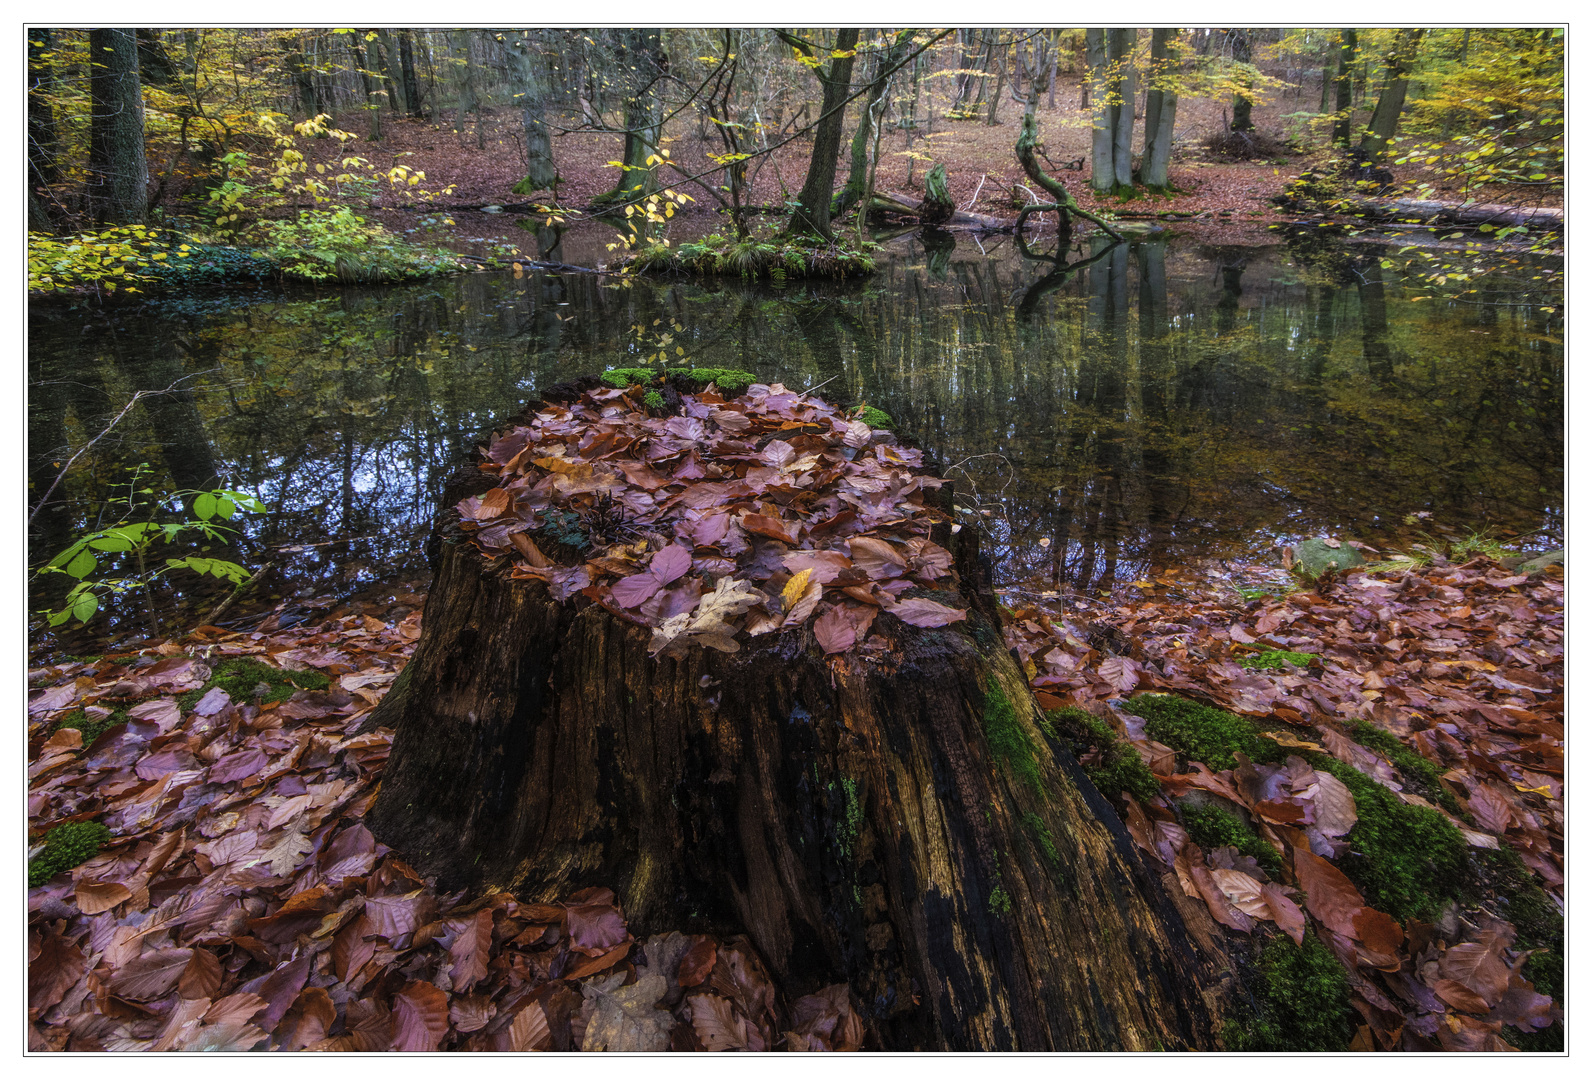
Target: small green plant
<point>653,400</point>
<point>1007,739</point>
<point>321,245</point>
<point>66,846</point>
<point>136,539</point>
<point>122,257</point>
<point>1275,660</point>
<point>1000,902</point>
<point>875,418</point>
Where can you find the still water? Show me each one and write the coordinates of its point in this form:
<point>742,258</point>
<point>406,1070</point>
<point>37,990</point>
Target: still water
<point>1167,402</point>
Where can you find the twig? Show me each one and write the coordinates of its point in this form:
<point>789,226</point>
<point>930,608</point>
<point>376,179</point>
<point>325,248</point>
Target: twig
<point>976,190</point>
<point>821,385</point>
<point>89,445</point>
<point>232,597</point>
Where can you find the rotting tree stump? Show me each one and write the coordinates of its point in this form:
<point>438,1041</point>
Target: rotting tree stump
<point>895,819</point>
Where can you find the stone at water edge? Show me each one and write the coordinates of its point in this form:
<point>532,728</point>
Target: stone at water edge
<point>1315,556</point>
<point>1542,562</point>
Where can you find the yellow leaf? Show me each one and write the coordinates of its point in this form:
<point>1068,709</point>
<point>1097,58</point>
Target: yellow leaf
<point>795,588</point>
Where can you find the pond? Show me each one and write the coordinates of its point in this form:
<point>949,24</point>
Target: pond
<point>1168,402</point>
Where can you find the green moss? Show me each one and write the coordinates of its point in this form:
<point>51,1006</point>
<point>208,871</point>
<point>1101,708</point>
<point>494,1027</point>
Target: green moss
<point>1275,660</point>
<point>729,380</point>
<point>1301,1002</point>
<point>240,676</point>
<point>776,258</point>
<point>1212,827</point>
<point>91,729</point>
<point>1415,768</point>
<point>1039,833</point>
<point>1120,767</point>
<point>1007,739</point>
<point>621,377</point>
<point>1000,902</point>
<point>876,418</point>
<point>1407,860</point>
<point>653,400</point>
<point>66,846</point>
<point>1517,896</point>
<point>1201,733</point>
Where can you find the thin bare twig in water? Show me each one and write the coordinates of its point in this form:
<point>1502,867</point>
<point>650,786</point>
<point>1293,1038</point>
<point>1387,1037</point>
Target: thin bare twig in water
<point>136,398</point>
<point>820,386</point>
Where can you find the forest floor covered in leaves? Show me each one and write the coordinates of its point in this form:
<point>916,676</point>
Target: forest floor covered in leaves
<point>1234,197</point>
<point>1381,781</point>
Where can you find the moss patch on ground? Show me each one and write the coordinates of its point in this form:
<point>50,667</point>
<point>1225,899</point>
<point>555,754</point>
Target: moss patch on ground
<point>66,846</point>
<point>1301,1002</point>
<point>1119,769</point>
<point>242,676</point>
<point>773,258</point>
<point>1275,660</point>
<point>876,418</point>
<point>1422,774</point>
<point>1407,860</point>
<point>729,380</point>
<point>1200,733</point>
<point>1213,827</point>
<point>91,729</point>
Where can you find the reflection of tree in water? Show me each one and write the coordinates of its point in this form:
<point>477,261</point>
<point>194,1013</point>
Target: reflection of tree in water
<point>1157,401</point>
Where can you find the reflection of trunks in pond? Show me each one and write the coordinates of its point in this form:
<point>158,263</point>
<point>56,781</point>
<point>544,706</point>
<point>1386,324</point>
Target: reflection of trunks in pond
<point>1164,402</point>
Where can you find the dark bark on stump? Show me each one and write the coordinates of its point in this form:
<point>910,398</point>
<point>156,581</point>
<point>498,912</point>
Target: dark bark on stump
<point>849,814</point>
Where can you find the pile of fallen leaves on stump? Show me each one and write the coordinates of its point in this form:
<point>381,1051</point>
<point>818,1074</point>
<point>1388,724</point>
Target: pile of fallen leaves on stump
<point>241,903</point>
<point>678,519</point>
<point>1458,665</point>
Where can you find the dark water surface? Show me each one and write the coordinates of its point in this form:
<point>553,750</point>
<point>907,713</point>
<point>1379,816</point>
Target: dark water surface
<point>1169,402</point>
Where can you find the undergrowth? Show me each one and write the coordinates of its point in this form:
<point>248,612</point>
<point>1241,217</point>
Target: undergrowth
<point>1300,999</point>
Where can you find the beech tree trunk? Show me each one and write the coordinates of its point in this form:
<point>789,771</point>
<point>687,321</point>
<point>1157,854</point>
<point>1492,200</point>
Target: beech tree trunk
<point>898,822</point>
<point>118,169</point>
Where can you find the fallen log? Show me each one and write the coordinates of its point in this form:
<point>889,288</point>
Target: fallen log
<point>1449,213</point>
<point>907,206</point>
<point>716,656</point>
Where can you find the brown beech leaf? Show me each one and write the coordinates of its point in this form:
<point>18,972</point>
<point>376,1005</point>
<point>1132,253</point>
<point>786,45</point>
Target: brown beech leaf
<point>1243,892</point>
<point>920,612</point>
<point>201,978</point>
<point>350,951</point>
<point>94,897</point>
<point>1378,931</point>
<point>528,1030</point>
<point>1329,895</point>
<point>697,963</point>
<point>877,558</point>
<point>420,1017</point>
<point>595,928</point>
<point>1285,913</point>
<point>1221,909</point>
<point>472,1012</point>
<point>1477,966</point>
<point>1457,995</point>
<point>53,972</point>
<point>150,976</point>
<point>717,1024</point>
<point>669,564</point>
<point>1335,810</point>
<point>471,950</point>
<point>772,527</point>
<point>528,549</point>
<point>308,1019</point>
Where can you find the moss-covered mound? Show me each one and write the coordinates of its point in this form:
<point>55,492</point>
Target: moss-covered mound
<point>771,258</point>
<point>1300,999</point>
<point>246,679</point>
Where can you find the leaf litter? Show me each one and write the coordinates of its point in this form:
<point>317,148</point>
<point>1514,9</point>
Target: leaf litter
<point>242,904</point>
<point>1460,665</point>
<point>729,519</point>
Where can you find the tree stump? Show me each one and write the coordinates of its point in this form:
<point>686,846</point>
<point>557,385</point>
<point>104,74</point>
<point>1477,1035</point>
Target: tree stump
<point>893,817</point>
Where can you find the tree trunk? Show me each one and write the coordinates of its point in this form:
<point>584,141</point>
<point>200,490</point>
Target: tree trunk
<point>118,168</point>
<point>1102,174</point>
<point>372,107</point>
<point>901,824</point>
<point>528,77</point>
<point>392,72</point>
<point>1121,54</point>
<point>43,168</point>
<point>1243,99</point>
<point>406,63</point>
<point>1385,120</point>
<point>1160,111</point>
<point>812,204</point>
<point>857,178</point>
<point>642,54</point>
<point>1343,125</point>
<point>468,102</point>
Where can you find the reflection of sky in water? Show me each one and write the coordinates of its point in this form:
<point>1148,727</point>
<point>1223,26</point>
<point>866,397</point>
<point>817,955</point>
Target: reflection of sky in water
<point>1142,410</point>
